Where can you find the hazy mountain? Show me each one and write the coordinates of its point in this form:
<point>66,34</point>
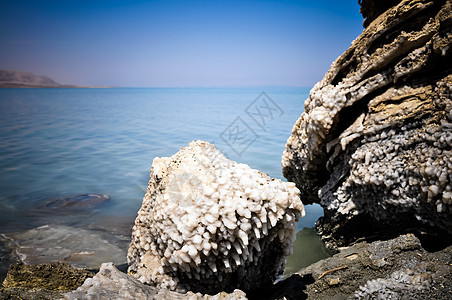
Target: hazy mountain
<point>25,78</point>
<point>18,79</point>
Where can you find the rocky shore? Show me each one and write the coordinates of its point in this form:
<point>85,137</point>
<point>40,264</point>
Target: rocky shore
<point>373,148</point>
<point>399,268</point>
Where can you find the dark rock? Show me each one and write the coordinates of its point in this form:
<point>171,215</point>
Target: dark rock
<point>371,9</point>
<point>374,144</point>
<point>75,202</point>
<point>292,288</point>
<point>395,269</point>
<point>7,256</point>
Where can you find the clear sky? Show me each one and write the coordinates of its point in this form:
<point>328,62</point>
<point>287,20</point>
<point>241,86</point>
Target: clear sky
<point>177,43</point>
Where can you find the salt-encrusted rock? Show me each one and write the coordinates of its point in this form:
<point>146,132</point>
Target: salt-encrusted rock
<point>110,283</point>
<point>208,224</point>
<point>373,146</point>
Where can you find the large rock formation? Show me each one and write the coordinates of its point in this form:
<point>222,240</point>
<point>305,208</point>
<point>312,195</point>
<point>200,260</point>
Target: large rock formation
<point>373,146</point>
<point>208,224</point>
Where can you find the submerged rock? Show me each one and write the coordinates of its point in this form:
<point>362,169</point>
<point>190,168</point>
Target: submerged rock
<point>399,268</point>
<point>75,202</point>
<point>209,224</point>
<point>78,247</point>
<point>374,145</point>
<point>109,283</point>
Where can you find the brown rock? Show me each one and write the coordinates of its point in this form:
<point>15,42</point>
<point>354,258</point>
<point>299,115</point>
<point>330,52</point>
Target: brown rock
<point>373,146</point>
<point>53,276</point>
<point>371,9</point>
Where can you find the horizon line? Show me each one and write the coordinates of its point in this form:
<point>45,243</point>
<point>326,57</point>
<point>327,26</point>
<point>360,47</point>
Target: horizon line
<point>206,86</point>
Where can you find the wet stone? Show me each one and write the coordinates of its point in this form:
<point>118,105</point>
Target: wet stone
<point>75,202</point>
<point>78,247</point>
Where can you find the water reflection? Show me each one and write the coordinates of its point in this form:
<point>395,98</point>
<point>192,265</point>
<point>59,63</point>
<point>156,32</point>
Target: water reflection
<point>308,249</point>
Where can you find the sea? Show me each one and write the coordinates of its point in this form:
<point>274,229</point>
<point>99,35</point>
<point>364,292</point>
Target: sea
<point>60,143</point>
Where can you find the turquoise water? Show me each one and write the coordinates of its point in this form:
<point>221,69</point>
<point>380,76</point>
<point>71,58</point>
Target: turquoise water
<point>59,142</point>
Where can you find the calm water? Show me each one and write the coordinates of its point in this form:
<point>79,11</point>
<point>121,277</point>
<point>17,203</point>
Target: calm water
<point>59,142</point>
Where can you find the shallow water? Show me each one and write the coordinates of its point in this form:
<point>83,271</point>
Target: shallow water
<point>60,142</point>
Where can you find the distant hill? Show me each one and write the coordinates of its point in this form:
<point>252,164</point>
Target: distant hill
<point>27,78</point>
<point>18,79</point>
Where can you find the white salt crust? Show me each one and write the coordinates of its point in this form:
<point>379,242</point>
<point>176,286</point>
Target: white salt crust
<point>110,283</point>
<point>384,164</point>
<point>204,217</point>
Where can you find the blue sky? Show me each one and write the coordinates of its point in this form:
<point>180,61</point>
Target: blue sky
<point>177,43</point>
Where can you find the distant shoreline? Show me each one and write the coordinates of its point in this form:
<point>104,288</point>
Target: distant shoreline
<point>20,79</point>
<point>28,85</point>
